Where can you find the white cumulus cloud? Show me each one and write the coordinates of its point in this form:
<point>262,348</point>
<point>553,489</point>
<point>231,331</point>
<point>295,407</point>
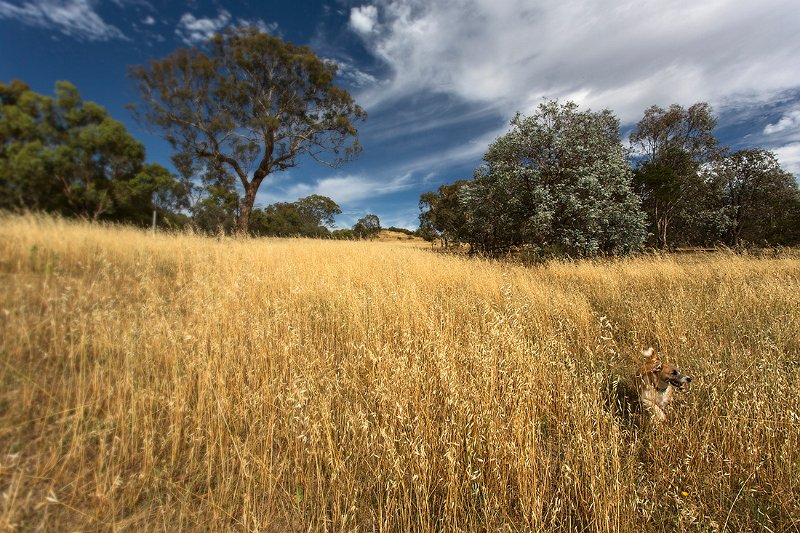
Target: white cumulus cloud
<point>789,157</point>
<point>363,19</point>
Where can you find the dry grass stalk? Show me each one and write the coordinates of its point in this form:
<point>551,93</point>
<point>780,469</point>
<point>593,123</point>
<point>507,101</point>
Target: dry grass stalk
<point>183,383</point>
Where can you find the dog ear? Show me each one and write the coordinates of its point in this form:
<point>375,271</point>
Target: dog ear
<point>652,362</point>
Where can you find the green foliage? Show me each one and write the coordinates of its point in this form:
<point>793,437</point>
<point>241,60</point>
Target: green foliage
<point>216,209</point>
<point>319,209</point>
<point>367,227</point>
<point>662,132</point>
<point>405,231</point>
<point>343,234</point>
<point>68,156</point>
<point>443,215</point>
<point>307,217</point>
<point>152,188</point>
<point>559,183</point>
<point>757,200</point>
<point>695,193</point>
<point>675,143</point>
<point>249,102</point>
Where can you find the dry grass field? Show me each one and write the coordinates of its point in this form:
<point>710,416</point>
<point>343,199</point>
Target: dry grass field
<point>179,383</point>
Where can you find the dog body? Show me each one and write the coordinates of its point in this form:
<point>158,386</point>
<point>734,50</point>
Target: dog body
<point>657,381</point>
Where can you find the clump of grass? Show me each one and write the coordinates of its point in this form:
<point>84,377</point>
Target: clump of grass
<point>176,382</point>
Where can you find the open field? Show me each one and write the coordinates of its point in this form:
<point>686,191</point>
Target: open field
<point>180,383</point>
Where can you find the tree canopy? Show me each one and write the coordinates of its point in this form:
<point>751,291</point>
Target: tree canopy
<point>443,215</point>
<point>558,182</point>
<point>662,132</point>
<point>758,201</point>
<point>61,154</point>
<point>320,209</point>
<point>252,103</point>
<point>673,144</point>
<point>367,226</point>
<point>307,217</point>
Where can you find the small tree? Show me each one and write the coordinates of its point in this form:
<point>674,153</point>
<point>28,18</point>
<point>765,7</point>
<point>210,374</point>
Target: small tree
<point>250,102</point>
<point>320,209</point>
<point>215,211</point>
<point>759,201</point>
<point>443,214</point>
<point>674,143</point>
<point>307,217</point>
<point>670,186</point>
<point>558,181</point>
<point>367,227</point>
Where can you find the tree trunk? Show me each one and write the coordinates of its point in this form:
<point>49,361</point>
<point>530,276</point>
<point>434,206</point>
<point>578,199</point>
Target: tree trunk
<point>246,207</point>
<point>662,223</point>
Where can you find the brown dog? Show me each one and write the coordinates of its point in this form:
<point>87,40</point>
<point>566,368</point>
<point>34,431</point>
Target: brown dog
<point>657,381</point>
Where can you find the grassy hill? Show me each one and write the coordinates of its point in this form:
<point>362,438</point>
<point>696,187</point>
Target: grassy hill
<point>386,235</point>
<point>182,383</point>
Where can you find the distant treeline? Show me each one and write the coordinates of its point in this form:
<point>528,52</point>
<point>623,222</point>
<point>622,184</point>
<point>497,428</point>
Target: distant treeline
<point>560,182</point>
<point>66,156</point>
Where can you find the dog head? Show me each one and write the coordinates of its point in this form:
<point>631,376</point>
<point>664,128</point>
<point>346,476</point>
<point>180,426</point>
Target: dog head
<point>661,374</point>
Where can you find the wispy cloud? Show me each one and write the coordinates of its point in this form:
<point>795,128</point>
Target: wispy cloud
<point>789,122</point>
<point>783,138</point>
<point>74,18</point>
<point>138,3</point>
<point>470,152</point>
<point>344,189</point>
<point>353,75</point>
<point>624,55</point>
<point>192,30</point>
<point>260,25</point>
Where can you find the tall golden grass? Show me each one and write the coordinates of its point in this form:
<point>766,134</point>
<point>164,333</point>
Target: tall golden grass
<point>179,383</point>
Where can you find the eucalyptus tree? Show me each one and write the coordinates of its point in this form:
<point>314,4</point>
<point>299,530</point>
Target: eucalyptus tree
<point>559,182</point>
<point>66,155</point>
<point>251,102</point>
<point>759,201</point>
<point>442,214</point>
<point>319,209</point>
<point>367,226</point>
<point>307,217</point>
<point>673,145</point>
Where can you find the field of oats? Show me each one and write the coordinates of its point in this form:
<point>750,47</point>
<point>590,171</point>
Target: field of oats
<point>179,383</point>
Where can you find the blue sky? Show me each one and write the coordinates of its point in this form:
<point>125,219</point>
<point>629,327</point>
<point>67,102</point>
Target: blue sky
<point>440,79</point>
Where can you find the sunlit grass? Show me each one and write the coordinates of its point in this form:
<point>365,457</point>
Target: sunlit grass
<point>182,383</point>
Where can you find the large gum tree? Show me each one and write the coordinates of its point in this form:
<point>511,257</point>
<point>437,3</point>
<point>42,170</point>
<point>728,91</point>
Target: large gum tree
<point>251,103</point>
